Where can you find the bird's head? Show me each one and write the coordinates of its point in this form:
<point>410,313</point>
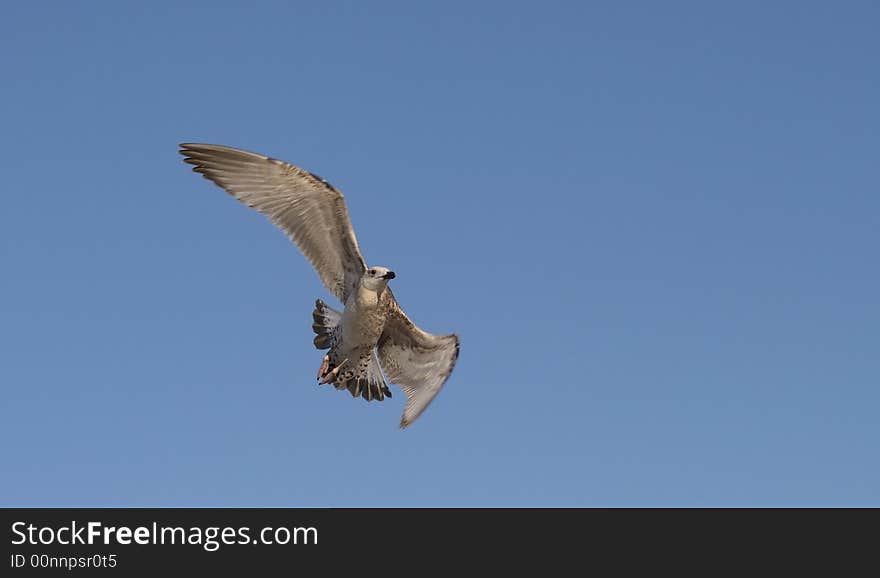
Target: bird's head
<point>376,278</point>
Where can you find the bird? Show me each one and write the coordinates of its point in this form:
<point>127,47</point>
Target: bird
<point>371,334</point>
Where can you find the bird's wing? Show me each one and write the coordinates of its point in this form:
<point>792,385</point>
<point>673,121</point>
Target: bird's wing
<point>303,205</point>
<point>418,361</point>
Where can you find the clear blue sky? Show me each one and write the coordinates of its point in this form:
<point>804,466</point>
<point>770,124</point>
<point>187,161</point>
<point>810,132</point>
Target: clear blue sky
<point>655,227</point>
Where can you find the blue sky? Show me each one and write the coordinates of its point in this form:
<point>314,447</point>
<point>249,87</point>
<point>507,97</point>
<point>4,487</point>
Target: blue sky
<point>655,227</point>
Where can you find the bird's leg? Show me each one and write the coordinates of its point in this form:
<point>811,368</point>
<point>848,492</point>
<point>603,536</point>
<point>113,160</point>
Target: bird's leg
<point>325,367</point>
<point>331,376</point>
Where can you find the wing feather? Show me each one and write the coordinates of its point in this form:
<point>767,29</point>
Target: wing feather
<point>310,211</point>
<point>418,361</point>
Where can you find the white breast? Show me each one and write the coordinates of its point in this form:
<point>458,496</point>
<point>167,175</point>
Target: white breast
<point>362,320</point>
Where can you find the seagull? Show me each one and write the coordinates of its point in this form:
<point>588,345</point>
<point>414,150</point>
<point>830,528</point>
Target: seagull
<point>371,333</point>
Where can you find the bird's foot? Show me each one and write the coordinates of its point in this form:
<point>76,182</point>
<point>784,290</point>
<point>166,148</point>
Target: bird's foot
<point>325,367</point>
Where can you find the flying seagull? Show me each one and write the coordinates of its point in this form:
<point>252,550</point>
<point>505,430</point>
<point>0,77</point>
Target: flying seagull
<point>313,215</point>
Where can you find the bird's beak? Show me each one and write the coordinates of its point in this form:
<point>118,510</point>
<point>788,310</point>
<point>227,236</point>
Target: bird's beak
<point>389,275</point>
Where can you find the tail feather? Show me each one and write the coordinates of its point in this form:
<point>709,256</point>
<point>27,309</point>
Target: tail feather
<point>368,382</point>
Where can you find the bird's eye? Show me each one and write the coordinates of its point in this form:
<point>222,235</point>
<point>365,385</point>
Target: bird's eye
<point>372,271</point>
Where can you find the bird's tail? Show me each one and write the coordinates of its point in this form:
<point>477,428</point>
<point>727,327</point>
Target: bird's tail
<point>370,384</point>
<point>326,321</point>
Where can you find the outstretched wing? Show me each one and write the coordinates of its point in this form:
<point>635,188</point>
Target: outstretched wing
<point>307,208</point>
<point>418,361</point>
